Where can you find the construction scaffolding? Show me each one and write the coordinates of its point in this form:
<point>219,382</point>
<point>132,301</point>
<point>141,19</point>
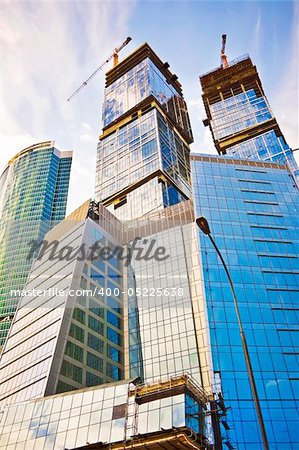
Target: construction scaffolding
<point>182,437</point>
<point>169,387</point>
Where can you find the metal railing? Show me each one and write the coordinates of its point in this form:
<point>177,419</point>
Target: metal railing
<point>230,63</point>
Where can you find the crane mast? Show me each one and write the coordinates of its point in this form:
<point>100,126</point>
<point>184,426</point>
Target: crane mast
<point>224,63</point>
<point>113,56</point>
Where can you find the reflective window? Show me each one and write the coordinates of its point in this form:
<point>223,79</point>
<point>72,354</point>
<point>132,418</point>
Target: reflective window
<point>71,371</point>
<point>76,332</point>
<point>252,221</point>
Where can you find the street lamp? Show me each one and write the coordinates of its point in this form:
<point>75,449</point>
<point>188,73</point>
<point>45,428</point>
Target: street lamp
<point>202,223</point>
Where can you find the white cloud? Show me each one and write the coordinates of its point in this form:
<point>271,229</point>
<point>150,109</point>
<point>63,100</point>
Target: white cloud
<point>203,142</point>
<point>85,126</point>
<point>285,101</point>
<point>257,34</point>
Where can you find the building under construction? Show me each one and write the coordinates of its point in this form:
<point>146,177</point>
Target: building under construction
<point>143,160</point>
<point>239,115</point>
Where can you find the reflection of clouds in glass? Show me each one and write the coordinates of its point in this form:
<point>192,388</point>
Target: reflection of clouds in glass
<point>143,80</point>
<point>178,415</point>
<point>166,417</point>
<point>167,334</point>
<point>79,417</point>
<point>117,429</point>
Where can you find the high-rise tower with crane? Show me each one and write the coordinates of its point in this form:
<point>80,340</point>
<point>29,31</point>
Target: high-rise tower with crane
<point>239,114</point>
<point>143,152</point>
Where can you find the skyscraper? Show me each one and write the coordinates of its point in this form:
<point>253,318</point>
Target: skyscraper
<point>155,319</point>
<point>143,154</point>
<point>240,117</point>
<point>33,196</point>
<point>99,320</point>
<point>143,166</point>
<point>252,208</point>
<point>143,319</point>
<point>70,336</point>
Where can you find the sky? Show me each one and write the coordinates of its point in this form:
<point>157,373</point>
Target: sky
<point>48,48</point>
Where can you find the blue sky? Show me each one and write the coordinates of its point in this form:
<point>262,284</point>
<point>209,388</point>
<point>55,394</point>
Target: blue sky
<point>48,48</point>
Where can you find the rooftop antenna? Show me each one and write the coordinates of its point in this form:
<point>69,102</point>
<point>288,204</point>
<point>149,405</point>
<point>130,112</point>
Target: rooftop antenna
<point>113,56</point>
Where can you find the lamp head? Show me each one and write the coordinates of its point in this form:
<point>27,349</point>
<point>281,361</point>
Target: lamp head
<point>202,223</point>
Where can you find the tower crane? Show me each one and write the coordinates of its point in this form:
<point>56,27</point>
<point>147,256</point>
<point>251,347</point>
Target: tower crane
<point>224,63</point>
<point>113,56</point>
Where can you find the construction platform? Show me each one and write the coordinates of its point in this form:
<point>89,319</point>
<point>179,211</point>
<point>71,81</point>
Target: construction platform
<point>169,387</point>
<point>181,438</point>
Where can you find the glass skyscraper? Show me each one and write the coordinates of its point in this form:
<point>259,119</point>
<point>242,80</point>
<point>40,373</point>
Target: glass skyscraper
<point>240,117</point>
<point>72,335</point>
<point>252,208</point>
<point>101,320</point>
<point>167,320</point>
<point>144,321</point>
<point>143,154</point>
<point>33,195</point>
<point>164,323</point>
<point>143,177</point>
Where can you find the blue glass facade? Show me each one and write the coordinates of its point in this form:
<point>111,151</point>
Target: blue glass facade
<point>128,154</point>
<point>240,111</point>
<point>267,147</point>
<point>34,189</point>
<point>252,209</point>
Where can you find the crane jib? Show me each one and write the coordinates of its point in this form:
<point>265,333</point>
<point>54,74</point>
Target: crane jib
<point>113,55</point>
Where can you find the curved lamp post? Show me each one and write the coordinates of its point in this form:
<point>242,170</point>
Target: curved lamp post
<point>202,223</point>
